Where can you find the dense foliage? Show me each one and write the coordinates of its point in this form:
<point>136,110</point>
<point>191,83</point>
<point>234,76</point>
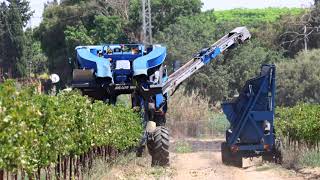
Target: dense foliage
<point>300,32</point>
<point>35,128</point>
<point>13,17</point>
<point>298,80</point>
<point>184,30</point>
<point>180,26</point>
<point>300,123</point>
<point>255,16</point>
<point>36,61</point>
<point>225,77</point>
<point>164,12</point>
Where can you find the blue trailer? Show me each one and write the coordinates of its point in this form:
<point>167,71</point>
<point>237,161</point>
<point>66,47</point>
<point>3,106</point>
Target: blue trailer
<point>251,117</point>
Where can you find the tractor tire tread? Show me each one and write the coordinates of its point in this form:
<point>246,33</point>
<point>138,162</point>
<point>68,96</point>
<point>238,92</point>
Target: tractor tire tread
<point>159,147</point>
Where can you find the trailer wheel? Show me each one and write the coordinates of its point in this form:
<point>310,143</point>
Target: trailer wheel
<point>278,151</point>
<point>268,157</point>
<point>224,154</point>
<point>229,158</point>
<point>139,151</point>
<point>275,155</point>
<point>159,147</point>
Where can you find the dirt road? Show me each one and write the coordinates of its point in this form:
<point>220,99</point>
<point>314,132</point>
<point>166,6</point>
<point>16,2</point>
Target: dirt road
<point>207,165</point>
<point>202,161</point>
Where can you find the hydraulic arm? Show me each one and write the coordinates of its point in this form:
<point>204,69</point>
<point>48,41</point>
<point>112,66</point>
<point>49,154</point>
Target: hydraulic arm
<point>156,94</point>
<point>235,37</point>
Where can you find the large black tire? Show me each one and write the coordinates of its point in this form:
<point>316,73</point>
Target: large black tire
<point>278,152</point>
<point>159,147</point>
<point>275,155</point>
<point>268,157</point>
<point>229,158</point>
<point>224,154</point>
<point>139,151</point>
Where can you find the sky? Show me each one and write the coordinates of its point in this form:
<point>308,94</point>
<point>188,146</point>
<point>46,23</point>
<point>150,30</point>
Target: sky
<point>37,6</point>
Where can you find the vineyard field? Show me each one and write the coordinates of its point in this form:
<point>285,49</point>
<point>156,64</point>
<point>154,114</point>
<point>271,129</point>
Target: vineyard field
<point>37,130</point>
<point>300,123</point>
<point>255,16</point>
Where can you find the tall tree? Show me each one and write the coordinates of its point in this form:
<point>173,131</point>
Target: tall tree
<point>15,47</point>
<point>164,13</point>
<point>51,33</point>
<point>3,9</point>
<point>14,16</point>
<point>23,7</point>
<point>298,80</point>
<point>301,33</point>
<point>35,58</point>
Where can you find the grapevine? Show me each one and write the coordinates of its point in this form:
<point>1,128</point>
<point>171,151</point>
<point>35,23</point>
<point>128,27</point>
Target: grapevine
<point>300,123</point>
<point>37,130</point>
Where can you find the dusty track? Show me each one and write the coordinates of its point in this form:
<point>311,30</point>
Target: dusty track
<point>207,165</point>
<point>204,162</point>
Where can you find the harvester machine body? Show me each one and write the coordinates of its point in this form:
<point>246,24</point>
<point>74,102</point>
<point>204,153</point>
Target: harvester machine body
<point>106,71</point>
<point>251,117</point>
<point>115,67</point>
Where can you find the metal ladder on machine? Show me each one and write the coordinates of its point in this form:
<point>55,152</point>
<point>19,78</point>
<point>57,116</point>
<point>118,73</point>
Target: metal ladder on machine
<point>236,36</point>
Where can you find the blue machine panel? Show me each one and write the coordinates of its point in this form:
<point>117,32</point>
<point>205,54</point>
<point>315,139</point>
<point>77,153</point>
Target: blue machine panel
<point>251,115</point>
<point>155,58</point>
<point>88,60</point>
<point>103,60</point>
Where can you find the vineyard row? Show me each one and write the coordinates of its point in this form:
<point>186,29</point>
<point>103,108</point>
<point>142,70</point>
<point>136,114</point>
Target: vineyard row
<point>41,131</point>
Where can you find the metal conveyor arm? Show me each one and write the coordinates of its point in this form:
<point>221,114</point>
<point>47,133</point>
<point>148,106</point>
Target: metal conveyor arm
<point>237,36</point>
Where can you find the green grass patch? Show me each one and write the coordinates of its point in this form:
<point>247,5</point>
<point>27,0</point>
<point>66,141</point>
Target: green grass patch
<point>183,147</point>
<point>218,123</point>
<point>157,172</point>
<point>124,100</point>
<point>310,158</point>
<point>263,168</point>
<point>255,16</point>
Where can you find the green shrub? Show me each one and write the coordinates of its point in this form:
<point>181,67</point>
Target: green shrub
<point>298,80</point>
<point>310,159</point>
<point>300,123</point>
<point>35,128</point>
<point>218,123</point>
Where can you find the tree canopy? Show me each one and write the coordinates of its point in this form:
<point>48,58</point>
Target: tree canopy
<point>279,35</point>
<point>13,15</point>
